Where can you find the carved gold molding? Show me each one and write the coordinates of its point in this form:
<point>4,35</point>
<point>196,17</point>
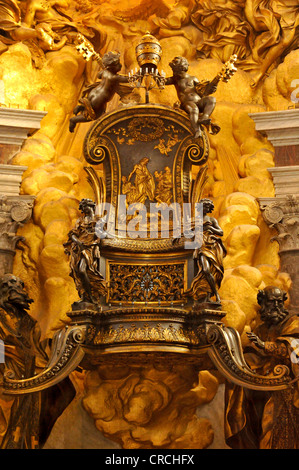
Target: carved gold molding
<point>155,281</point>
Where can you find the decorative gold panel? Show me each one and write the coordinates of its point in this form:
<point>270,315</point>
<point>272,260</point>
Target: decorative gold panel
<point>152,283</point>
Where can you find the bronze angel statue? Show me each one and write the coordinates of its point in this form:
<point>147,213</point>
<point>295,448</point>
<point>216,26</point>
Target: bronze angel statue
<point>83,248</point>
<point>209,257</point>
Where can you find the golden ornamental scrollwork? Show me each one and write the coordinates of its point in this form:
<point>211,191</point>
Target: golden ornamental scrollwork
<point>134,124</point>
<point>225,341</point>
<point>198,151</point>
<point>97,148</point>
<point>99,153</point>
<point>67,356</point>
<point>147,129</point>
<point>145,333</point>
<point>137,126</point>
<point>146,282</point>
<point>142,129</point>
<point>142,245</point>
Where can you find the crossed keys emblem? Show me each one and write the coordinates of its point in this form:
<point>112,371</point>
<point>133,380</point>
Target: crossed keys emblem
<point>85,48</point>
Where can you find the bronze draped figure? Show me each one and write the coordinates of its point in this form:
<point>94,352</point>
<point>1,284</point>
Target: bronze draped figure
<point>32,416</point>
<point>209,257</point>
<point>83,248</point>
<point>267,420</point>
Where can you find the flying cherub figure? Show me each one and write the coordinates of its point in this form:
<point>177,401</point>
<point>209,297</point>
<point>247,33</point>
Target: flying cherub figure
<point>95,98</point>
<point>194,94</point>
<point>199,107</point>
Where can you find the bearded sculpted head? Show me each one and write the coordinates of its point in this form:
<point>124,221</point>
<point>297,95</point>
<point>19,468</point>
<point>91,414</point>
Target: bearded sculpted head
<point>13,297</point>
<point>271,300</point>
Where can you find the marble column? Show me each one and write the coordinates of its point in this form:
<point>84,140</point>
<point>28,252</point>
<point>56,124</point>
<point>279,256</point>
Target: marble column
<point>15,209</point>
<point>282,211</point>
<point>14,212</point>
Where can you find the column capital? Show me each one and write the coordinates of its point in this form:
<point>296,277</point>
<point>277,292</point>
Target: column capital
<point>15,211</point>
<point>282,213</point>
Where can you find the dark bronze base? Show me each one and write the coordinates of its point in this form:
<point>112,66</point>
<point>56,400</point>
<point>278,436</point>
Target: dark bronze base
<point>174,328</point>
<point>137,335</point>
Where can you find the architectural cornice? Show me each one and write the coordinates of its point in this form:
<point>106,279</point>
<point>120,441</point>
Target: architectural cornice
<point>281,127</point>
<point>17,124</point>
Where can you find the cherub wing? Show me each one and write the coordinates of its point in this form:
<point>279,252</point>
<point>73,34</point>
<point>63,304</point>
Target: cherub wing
<point>123,90</point>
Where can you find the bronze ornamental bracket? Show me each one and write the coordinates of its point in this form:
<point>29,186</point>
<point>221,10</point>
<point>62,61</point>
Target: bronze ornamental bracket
<point>227,355</point>
<point>66,354</point>
<point>95,335</point>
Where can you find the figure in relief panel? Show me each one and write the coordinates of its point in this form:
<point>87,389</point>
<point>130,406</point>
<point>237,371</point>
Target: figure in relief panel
<point>163,191</point>
<point>144,181</point>
<point>42,29</point>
